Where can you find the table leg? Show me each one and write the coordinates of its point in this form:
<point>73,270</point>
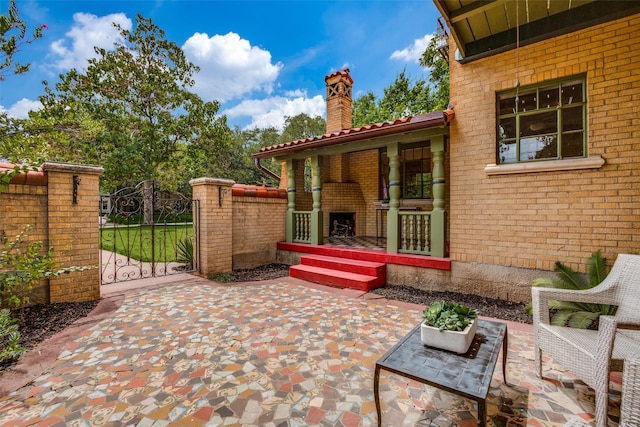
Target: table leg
<point>505,349</point>
<point>482,413</point>
<point>376,393</point>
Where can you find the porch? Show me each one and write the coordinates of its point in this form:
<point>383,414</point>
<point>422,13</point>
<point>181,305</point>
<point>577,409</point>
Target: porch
<point>365,249</point>
<point>385,179</point>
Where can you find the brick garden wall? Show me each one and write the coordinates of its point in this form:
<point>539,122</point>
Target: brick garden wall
<point>258,224</point>
<point>46,204</point>
<point>531,220</point>
<point>239,224</point>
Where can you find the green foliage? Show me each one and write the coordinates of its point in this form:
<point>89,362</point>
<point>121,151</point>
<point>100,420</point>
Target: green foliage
<point>5,176</point>
<point>133,103</point>
<point>10,348</point>
<point>302,126</point>
<point>448,316</point>
<point>574,314</point>
<point>222,277</point>
<point>402,98</point>
<point>406,98</point>
<point>22,265</point>
<point>136,241</point>
<point>185,251</point>
<point>438,74</point>
<point>13,35</point>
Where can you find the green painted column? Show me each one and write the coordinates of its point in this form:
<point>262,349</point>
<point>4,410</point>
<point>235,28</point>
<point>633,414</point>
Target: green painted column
<point>291,196</point>
<point>438,215</point>
<point>393,217</point>
<point>316,213</point>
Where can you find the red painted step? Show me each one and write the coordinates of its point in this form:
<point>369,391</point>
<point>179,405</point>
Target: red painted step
<point>340,272</point>
<point>369,268</point>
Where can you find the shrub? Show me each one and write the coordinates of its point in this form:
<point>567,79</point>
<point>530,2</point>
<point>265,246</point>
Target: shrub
<point>10,348</point>
<point>22,265</point>
<point>185,252</point>
<point>574,314</point>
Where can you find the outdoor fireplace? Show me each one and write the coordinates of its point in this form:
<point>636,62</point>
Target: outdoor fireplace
<point>342,224</point>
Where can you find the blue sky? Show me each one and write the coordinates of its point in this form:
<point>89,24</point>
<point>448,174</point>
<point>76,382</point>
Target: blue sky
<point>263,60</point>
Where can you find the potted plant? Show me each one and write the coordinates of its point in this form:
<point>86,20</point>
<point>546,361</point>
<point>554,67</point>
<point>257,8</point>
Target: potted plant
<point>449,326</point>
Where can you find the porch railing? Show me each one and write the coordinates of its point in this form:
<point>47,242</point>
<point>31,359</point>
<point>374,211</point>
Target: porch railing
<point>301,227</point>
<point>415,232</point>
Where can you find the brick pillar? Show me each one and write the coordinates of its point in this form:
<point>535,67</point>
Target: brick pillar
<point>73,227</point>
<point>216,226</point>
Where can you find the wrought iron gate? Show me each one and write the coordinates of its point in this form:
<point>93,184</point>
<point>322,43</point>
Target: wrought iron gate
<point>146,232</point>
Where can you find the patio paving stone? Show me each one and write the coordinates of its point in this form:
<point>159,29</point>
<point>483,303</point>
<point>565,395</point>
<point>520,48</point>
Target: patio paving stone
<point>273,353</point>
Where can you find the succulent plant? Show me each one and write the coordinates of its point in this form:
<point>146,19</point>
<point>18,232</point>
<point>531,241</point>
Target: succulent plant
<point>448,316</point>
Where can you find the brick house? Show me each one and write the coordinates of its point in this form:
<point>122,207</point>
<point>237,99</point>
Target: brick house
<point>539,163</point>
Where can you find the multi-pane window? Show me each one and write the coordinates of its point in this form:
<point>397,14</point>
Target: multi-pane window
<point>415,172</point>
<point>545,122</point>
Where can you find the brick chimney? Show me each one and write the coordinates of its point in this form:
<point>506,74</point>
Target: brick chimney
<point>338,100</point>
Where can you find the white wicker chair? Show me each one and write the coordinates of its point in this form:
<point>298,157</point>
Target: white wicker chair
<point>592,355</point>
<point>630,409</point>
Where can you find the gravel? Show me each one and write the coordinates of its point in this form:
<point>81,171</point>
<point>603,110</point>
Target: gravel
<point>489,307</point>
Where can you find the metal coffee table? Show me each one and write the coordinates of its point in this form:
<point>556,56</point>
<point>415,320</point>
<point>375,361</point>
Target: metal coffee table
<point>468,375</point>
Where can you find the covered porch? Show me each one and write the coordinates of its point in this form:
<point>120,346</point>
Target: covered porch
<point>356,187</point>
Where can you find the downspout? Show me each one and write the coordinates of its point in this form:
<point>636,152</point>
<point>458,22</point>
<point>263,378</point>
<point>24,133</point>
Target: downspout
<point>265,170</point>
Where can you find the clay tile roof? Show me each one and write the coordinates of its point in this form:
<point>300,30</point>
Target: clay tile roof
<point>405,124</point>
<point>29,178</point>
<point>343,73</point>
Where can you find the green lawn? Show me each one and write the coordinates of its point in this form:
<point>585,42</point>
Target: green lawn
<point>136,241</point>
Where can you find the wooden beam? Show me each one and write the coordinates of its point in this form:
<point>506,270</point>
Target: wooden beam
<point>444,11</point>
<point>473,9</point>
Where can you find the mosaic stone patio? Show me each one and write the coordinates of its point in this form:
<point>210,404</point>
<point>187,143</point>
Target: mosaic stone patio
<point>272,353</point>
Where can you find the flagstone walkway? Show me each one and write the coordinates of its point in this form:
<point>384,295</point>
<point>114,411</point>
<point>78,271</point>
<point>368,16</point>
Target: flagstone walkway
<point>273,353</point>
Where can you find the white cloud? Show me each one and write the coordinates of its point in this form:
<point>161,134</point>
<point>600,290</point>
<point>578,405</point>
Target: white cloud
<point>272,111</point>
<point>413,52</point>
<point>229,66</point>
<point>20,110</point>
<point>87,32</point>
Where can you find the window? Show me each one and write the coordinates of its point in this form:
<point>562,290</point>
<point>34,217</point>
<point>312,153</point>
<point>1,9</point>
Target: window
<point>415,172</point>
<point>545,122</point>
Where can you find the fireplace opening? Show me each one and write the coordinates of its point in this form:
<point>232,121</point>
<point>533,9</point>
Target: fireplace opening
<point>343,224</point>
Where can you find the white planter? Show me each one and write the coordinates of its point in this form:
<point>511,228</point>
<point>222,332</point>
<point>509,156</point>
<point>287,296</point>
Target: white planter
<point>456,341</point>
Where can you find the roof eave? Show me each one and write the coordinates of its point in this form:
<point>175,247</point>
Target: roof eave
<point>425,121</point>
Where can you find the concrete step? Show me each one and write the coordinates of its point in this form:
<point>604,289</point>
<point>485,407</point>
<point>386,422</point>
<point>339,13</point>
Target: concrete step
<point>369,268</point>
<point>338,278</point>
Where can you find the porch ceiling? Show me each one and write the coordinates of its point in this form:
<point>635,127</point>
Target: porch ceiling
<point>405,130</point>
<point>485,27</point>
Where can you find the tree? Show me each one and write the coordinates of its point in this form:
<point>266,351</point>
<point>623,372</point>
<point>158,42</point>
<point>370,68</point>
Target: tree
<point>302,126</point>
<point>406,98</point>
<point>401,99</point>
<point>13,35</point>
<point>132,112</point>
<point>438,74</point>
